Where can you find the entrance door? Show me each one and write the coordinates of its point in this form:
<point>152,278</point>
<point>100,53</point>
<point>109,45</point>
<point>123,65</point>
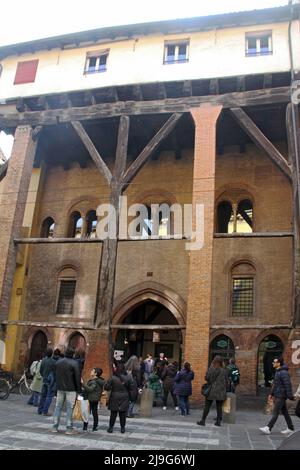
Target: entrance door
<point>270,347</point>
<point>38,346</point>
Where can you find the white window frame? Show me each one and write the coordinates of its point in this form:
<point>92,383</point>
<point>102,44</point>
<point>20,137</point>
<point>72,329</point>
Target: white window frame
<point>258,35</point>
<point>96,55</point>
<point>177,44</point>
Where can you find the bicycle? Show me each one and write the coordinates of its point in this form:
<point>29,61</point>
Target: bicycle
<point>7,385</point>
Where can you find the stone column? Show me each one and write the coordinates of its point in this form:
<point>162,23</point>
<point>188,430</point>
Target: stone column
<point>12,207</point>
<point>200,266</point>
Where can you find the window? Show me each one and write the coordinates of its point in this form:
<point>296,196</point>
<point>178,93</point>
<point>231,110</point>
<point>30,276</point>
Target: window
<point>149,226</point>
<point>91,224</point>
<point>242,296</point>
<point>259,43</point>
<point>96,61</point>
<point>47,230</point>
<point>66,296</point>
<point>176,52</point>
<point>75,225</point>
<point>235,217</point>
<point>26,72</point>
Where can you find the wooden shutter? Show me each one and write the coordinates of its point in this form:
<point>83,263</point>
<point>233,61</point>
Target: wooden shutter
<point>26,72</point>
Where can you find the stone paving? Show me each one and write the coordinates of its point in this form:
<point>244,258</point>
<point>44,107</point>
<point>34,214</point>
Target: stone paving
<point>22,428</point>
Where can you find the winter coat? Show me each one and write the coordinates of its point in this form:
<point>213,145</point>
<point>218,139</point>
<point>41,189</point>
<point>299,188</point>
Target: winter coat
<point>37,383</point>
<point>119,392</point>
<point>68,375</point>
<point>282,387</point>
<point>148,366</point>
<point>48,367</point>
<point>155,385</point>
<point>183,383</point>
<point>168,376</point>
<point>93,389</point>
<point>218,379</point>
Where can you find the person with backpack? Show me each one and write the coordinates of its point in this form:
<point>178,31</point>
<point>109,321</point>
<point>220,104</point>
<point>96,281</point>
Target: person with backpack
<point>233,375</point>
<point>37,382</point>
<point>183,387</point>
<point>92,391</point>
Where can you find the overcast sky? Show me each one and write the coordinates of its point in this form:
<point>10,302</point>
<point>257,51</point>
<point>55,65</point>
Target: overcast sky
<point>25,20</point>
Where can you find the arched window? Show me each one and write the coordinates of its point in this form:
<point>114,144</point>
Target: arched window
<point>47,230</point>
<point>77,342</point>
<point>157,221</point>
<point>66,291</point>
<point>244,217</point>
<point>222,346</point>
<point>242,290</point>
<point>75,225</point>
<point>225,217</point>
<point>91,224</point>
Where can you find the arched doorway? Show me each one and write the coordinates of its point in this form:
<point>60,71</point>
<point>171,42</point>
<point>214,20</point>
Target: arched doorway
<point>222,346</point>
<point>38,346</point>
<point>77,342</point>
<point>270,347</point>
<point>144,332</point>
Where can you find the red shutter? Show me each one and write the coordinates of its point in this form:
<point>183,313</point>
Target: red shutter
<point>26,72</point>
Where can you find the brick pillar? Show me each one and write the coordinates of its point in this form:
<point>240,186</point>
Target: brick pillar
<point>12,207</point>
<point>200,266</point>
<point>97,353</point>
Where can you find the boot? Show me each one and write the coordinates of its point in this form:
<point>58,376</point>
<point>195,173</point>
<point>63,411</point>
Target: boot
<point>218,422</point>
<point>110,430</point>
<point>201,423</point>
<point>122,430</point>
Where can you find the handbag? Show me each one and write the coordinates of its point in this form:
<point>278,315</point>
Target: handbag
<point>77,415</point>
<point>205,389</point>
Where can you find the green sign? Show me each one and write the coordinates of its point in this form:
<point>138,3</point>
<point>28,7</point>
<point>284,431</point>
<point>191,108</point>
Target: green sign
<point>222,344</point>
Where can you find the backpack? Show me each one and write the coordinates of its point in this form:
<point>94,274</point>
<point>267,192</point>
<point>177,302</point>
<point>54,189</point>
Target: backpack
<point>235,375</point>
<point>33,367</point>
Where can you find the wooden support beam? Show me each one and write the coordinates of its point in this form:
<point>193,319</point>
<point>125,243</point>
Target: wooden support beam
<point>254,235</point>
<point>137,93</point>
<point>268,80</point>
<point>187,88</point>
<point>214,86</point>
<point>3,170</point>
<point>261,140</point>
<point>44,241</point>
<point>171,105</point>
<point>21,105</point>
<point>89,98</point>
<point>96,157</point>
<point>162,92</point>
<point>147,327</point>
<point>241,83</point>
<point>36,132</point>
<point>122,145</point>
<point>150,147</point>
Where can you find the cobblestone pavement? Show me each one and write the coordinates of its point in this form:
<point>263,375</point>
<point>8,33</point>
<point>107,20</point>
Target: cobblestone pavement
<point>22,428</point>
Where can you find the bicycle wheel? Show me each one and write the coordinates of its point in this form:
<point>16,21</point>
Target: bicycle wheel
<point>4,389</point>
<point>24,387</point>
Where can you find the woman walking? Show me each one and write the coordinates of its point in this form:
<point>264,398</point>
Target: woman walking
<point>183,387</point>
<point>217,378</point>
<point>121,386</point>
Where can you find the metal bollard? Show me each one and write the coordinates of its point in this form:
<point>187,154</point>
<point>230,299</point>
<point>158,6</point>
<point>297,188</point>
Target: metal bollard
<point>229,408</point>
<point>146,402</point>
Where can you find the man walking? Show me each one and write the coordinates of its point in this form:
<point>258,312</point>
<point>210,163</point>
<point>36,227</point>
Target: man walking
<point>68,385</point>
<point>281,391</point>
<point>47,372</point>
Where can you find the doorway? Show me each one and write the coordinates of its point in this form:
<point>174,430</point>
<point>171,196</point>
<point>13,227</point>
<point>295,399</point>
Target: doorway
<point>270,347</point>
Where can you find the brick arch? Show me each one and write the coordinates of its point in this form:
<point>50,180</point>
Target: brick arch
<point>83,204</point>
<point>144,291</point>
<point>246,259</point>
<point>225,192</point>
<point>66,335</point>
<point>68,263</point>
<point>282,335</point>
<point>157,195</point>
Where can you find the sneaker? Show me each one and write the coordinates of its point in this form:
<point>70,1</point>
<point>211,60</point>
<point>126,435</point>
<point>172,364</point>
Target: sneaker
<point>265,430</point>
<point>164,408</point>
<point>71,432</point>
<point>53,430</point>
<point>176,408</point>
<point>287,432</point>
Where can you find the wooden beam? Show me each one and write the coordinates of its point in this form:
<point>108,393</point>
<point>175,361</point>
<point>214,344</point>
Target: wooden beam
<point>3,170</point>
<point>171,105</point>
<point>147,327</point>
<point>241,83</point>
<point>150,147</point>
<point>254,235</point>
<point>137,92</point>
<point>214,86</point>
<point>261,140</point>
<point>187,89</point>
<point>61,324</point>
<point>96,157</point>
<point>89,98</point>
<point>43,241</point>
<point>122,145</point>
<point>268,80</point>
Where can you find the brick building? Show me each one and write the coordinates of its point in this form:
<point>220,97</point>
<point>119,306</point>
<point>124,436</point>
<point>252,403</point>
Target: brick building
<point>193,111</point>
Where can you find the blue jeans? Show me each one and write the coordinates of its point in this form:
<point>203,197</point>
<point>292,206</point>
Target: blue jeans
<point>70,398</point>
<point>183,403</point>
<point>46,398</point>
<point>34,399</point>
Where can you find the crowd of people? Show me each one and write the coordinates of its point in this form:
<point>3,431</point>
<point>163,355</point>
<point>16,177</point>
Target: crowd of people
<point>61,376</point>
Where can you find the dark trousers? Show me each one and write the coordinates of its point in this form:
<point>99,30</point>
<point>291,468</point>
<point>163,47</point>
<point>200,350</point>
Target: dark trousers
<point>207,406</point>
<point>280,405</point>
<point>297,410</point>
<point>46,398</point>
<point>94,411</point>
<point>113,417</point>
<point>165,398</point>
<point>184,405</point>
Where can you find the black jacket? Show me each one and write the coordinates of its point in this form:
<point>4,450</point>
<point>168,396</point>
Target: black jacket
<point>68,375</point>
<point>48,366</point>
<point>93,389</point>
<point>282,387</point>
<point>119,388</point>
<point>167,376</point>
<point>218,379</point>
